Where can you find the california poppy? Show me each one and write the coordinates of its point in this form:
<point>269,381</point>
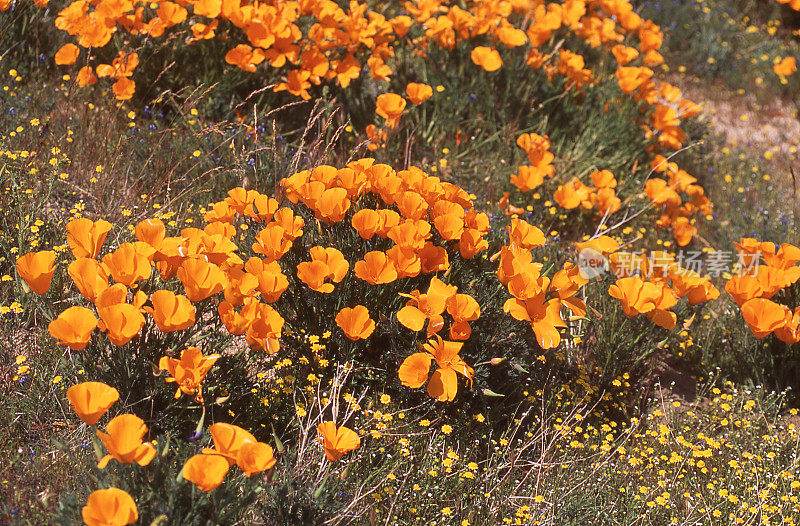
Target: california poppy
<point>265,329</point>
<point>635,295</point>
<point>525,235</point>
<point>272,242</point>
<point>390,106</point>
<point>367,222</point>
<point>85,237</point>
<point>129,263</point>
<point>443,384</point>
<point>113,295</point>
<point>337,441</point>
<point>544,317</point>
<point>785,67</point>
<point>121,322</point>
<point>91,400</point>
<point>109,507</point>
<point>206,471</point>
<point>487,58</point>
<point>37,269</point>
<point>67,55</point>
<point>418,93</point>
<point>376,268</point>
<point>201,279</point>
<point>355,322</point>
<point>255,457</point>
<point>464,309</point>
<point>73,327</point>
<point>332,205</point>
<point>123,440</point>
<point>427,307</point>
<point>237,322</point>
<point>188,372</point>
<point>763,316</point>
<point>228,440</point>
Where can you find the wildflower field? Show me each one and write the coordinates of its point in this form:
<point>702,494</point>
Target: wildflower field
<point>420,262</point>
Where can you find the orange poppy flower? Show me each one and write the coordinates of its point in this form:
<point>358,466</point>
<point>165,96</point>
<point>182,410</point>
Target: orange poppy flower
<point>228,440</point>
<point>151,231</point>
<point>418,93</point>
<point>412,205</point>
<point>743,288</point>
<point>624,54</point>
<point>201,279</point>
<point>271,281</point>
<point>683,231</point>
<point>544,317</point>
<point>487,58</point>
<point>764,316</point>
<point>241,285</point>
<point>337,441</point>
<point>471,243</point>
<point>85,76</point>
<point>121,322</point>
<point>427,307</point>
<point>123,440</point>
<point>245,57</point>
<point>188,372</point>
<point>272,242</point>
<point>366,222</point>
<point>123,88</point>
<point>264,207</point>
<point>255,457</point>
<point>170,13</point>
<point>787,66</point>
<point>86,238</point>
<point>511,36</point>
<point>449,226</point>
<point>265,329</point>
<point>529,178</point>
<point>464,309</point>
<point>390,106</point>
<point>129,263</point>
<point>240,199</point>
<point>790,332</point>
<point>67,55</point>
<point>113,295</point>
<point>525,235</point>
<point>355,322</point>
<point>565,284</point>
<point>389,220</point>
<point>376,268</point>
<point>326,263</point>
<point>630,78</point>
<point>37,269</point>
<point>405,260</point>
<point>443,384</point>
<point>73,327</point>
<point>572,195</point>
<point>411,234</point>
<point>603,244</point>
<point>528,283</point>
<point>91,400</point>
<point>332,205</point>
<point>171,312</point>
<point>433,258</point>
<point>667,299</point>
<point>237,322</point>
<point>206,471</point>
<point>635,296</point>
<point>109,507</point>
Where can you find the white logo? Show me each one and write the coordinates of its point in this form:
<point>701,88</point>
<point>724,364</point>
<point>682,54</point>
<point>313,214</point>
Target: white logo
<point>591,263</point>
